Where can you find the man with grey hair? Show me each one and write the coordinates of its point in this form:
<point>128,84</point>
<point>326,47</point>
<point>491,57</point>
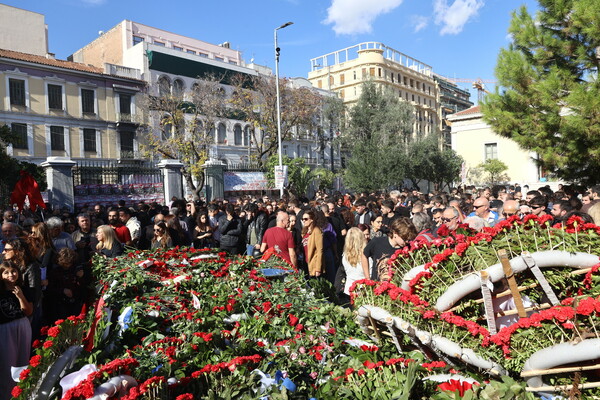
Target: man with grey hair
<point>60,239</point>
<point>9,232</point>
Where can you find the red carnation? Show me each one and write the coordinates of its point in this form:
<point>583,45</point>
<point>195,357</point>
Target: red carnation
<point>16,392</point>
<point>293,320</point>
<point>35,361</point>
<point>48,344</point>
<point>54,331</point>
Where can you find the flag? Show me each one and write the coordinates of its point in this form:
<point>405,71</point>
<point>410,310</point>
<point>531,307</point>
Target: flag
<point>27,187</point>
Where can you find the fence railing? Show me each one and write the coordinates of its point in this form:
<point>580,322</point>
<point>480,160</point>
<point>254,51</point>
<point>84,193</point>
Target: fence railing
<point>245,167</point>
<point>115,172</point>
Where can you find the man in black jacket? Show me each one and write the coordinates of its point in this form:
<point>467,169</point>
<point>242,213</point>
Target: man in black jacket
<point>257,225</point>
<point>230,227</point>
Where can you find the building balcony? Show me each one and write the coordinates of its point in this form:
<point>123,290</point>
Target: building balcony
<point>119,70</point>
<point>129,118</point>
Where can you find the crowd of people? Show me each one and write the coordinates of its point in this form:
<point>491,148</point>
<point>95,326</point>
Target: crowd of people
<point>45,261</point>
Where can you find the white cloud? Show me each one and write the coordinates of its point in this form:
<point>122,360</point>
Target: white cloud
<point>356,16</point>
<point>453,17</point>
<point>419,22</point>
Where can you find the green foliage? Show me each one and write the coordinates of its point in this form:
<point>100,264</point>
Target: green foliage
<point>325,178</point>
<point>299,174</point>
<point>495,169</point>
<point>379,127</point>
<point>549,93</point>
<point>427,161</point>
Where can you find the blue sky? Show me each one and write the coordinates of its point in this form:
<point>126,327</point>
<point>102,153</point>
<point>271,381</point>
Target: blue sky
<point>458,38</point>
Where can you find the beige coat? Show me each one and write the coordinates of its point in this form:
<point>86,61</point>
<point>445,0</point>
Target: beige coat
<point>314,258</point>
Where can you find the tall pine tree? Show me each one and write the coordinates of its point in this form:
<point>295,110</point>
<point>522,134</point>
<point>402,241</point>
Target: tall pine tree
<point>549,96</point>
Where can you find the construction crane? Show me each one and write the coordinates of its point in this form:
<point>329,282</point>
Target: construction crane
<point>478,84</point>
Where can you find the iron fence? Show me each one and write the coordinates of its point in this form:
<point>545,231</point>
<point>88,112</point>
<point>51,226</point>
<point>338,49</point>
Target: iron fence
<point>245,167</point>
<point>88,172</point>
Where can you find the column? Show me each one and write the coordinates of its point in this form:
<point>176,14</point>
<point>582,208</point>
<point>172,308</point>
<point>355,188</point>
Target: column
<point>172,178</point>
<point>59,177</point>
<point>214,179</point>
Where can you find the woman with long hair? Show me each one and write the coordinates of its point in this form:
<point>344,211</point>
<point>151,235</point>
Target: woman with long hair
<point>42,248</point>
<point>162,239</point>
<point>351,258</point>
<point>15,329</point>
<point>203,232</point>
<point>108,243</point>
<point>17,251</point>
<point>312,241</point>
<point>179,236</point>
<point>329,244</point>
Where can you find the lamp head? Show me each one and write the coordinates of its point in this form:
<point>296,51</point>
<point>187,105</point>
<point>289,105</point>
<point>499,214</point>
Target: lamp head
<point>284,25</point>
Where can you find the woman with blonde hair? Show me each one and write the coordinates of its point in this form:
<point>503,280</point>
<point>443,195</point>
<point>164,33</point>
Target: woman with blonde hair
<point>108,243</point>
<point>352,256</point>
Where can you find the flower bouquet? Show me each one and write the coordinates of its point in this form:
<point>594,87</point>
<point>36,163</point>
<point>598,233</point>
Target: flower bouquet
<point>478,301</point>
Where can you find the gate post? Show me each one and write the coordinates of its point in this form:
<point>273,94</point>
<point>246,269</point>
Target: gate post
<point>172,178</point>
<point>214,179</point>
<point>59,176</point>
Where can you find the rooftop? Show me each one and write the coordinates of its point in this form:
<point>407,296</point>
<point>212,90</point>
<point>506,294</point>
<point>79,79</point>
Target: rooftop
<point>52,62</point>
<point>352,53</point>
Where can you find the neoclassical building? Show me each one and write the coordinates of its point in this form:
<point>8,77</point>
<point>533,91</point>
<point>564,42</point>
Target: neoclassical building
<point>62,108</point>
<point>343,71</point>
<point>172,62</point>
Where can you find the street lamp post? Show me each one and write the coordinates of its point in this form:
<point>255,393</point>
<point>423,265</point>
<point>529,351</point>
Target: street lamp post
<point>278,102</point>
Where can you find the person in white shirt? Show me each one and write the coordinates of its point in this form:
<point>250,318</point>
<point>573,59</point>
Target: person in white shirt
<point>351,258</point>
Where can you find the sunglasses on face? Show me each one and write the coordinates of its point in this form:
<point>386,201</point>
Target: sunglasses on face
<point>158,230</point>
<point>305,219</point>
<point>447,219</point>
<point>7,249</point>
<point>535,207</point>
<point>474,206</point>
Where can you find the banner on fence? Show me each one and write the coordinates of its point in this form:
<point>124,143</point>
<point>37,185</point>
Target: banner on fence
<point>242,181</point>
<point>107,194</point>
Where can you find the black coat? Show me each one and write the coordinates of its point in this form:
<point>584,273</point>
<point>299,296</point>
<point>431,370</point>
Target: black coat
<point>230,231</point>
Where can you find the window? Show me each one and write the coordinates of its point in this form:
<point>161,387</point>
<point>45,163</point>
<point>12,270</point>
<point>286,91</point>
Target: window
<point>379,72</point>
<point>20,133</point>
<point>87,101</point>
<point>237,135</point>
<point>342,94</point>
<point>178,48</point>
<point>491,151</point>
<point>319,84</point>
<point>222,134</point>
<point>331,81</point>
<point>161,44</point>
<point>190,51</point>
<point>219,58</point>
<point>203,55</point>
<point>127,150</point>
<point>124,103</point>
<point>233,62</point>
<point>354,75</point>
<point>392,77</point>
<point>137,39</point>
<point>164,86</point>
<point>17,92</point>
<point>89,140</point>
<point>342,79</point>
<point>55,97</point>
<point>178,88</point>
<point>372,71</point>
<point>247,139</point>
<point>57,138</point>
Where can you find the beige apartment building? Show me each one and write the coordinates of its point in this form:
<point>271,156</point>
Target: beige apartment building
<point>343,71</point>
<point>59,108</point>
<point>476,142</point>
